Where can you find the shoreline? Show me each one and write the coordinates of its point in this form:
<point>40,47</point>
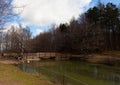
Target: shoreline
<point>9,61</point>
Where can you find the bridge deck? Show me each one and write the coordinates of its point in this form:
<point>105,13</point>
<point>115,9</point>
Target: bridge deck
<point>48,55</point>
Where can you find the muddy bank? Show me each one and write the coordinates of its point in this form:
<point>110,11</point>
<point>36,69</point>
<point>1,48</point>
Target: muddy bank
<point>104,59</point>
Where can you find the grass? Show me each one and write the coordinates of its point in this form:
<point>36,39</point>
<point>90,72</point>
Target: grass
<point>11,75</point>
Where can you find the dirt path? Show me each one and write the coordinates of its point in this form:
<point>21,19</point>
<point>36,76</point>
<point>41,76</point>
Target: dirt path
<point>9,83</point>
<point>8,61</point>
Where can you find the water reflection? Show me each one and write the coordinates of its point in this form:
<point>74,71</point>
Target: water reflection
<point>112,77</point>
<point>26,68</point>
<point>72,73</point>
<point>95,71</point>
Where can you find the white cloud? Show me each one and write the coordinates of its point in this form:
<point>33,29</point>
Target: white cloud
<point>38,31</point>
<point>8,27</point>
<point>15,25</point>
<point>45,12</point>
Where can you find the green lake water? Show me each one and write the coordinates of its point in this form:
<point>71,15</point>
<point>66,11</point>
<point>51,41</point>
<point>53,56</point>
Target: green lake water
<point>75,72</point>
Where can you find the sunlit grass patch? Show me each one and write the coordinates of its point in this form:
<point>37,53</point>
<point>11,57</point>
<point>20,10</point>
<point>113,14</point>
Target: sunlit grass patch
<point>11,75</point>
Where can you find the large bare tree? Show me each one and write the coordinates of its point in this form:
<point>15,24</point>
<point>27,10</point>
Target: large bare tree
<point>16,40</point>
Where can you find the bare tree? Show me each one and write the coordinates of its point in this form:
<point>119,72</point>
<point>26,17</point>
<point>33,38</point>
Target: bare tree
<point>17,40</point>
<point>6,11</point>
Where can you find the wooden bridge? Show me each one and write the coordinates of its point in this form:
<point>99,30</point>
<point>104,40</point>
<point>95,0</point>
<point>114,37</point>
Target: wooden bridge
<point>41,56</point>
<point>48,55</point>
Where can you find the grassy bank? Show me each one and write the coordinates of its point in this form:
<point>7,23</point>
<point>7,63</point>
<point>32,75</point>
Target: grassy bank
<point>11,75</point>
<point>116,53</point>
<point>107,57</point>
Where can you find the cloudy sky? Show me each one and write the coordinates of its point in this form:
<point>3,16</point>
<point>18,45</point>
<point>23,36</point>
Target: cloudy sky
<point>40,14</point>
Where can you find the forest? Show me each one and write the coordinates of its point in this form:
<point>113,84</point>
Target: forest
<point>96,30</point>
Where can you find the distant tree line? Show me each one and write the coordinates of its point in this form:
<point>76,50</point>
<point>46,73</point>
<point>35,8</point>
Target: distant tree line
<point>96,30</point>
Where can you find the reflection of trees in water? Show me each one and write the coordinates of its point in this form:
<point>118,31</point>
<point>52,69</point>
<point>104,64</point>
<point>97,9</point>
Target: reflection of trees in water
<point>108,77</point>
<point>67,73</point>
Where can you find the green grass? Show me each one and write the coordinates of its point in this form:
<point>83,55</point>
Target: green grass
<point>10,75</point>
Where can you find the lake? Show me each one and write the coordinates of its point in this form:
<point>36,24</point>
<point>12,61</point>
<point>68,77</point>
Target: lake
<point>74,72</point>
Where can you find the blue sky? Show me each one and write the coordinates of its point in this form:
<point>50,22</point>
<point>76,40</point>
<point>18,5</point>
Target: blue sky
<point>113,1</point>
<point>40,14</point>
